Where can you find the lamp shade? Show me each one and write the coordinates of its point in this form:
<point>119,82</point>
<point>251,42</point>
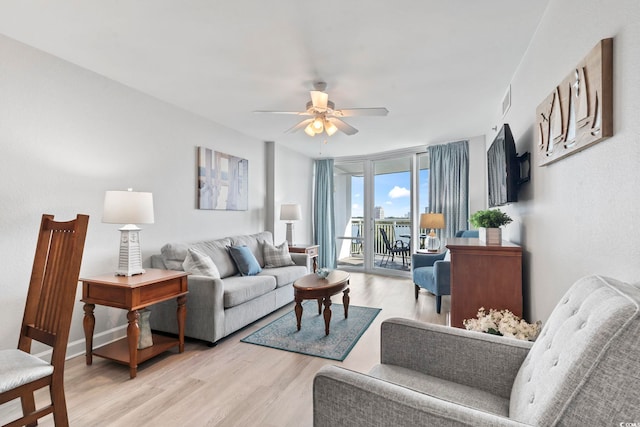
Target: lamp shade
<point>128,207</point>
<point>290,212</point>
<point>432,220</point>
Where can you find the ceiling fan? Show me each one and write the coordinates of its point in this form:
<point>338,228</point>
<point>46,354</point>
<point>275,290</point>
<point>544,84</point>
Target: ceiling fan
<point>323,116</point>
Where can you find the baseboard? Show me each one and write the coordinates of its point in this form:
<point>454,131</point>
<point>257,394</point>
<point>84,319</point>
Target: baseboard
<point>77,347</point>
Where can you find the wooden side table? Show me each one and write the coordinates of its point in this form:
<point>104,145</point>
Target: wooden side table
<point>132,294</point>
<point>309,249</point>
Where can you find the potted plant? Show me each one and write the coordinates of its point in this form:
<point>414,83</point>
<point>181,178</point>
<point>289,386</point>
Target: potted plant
<point>488,223</point>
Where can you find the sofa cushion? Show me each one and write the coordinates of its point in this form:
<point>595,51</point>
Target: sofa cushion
<point>285,275</point>
<point>245,260</point>
<point>173,255</point>
<point>254,243</point>
<point>200,264</point>
<point>240,289</point>
<point>276,256</point>
<point>217,250</point>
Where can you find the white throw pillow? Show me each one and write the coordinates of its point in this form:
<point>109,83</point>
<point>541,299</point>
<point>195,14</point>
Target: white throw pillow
<point>276,256</point>
<point>200,264</point>
<point>447,256</point>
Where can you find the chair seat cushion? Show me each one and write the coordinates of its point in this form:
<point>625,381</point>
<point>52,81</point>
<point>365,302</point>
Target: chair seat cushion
<point>423,277</point>
<point>18,368</point>
<point>442,389</point>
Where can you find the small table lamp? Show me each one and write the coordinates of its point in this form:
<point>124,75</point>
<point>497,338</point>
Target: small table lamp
<point>130,208</point>
<point>432,221</point>
<point>290,212</point>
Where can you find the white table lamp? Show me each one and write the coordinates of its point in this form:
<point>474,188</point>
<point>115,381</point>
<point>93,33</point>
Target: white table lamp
<point>130,208</point>
<point>432,221</point>
<point>290,212</point>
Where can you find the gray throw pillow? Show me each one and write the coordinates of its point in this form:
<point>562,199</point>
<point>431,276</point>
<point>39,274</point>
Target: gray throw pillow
<point>200,264</point>
<point>276,256</point>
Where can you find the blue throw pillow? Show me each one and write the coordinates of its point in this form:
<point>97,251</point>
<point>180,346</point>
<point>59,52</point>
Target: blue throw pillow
<point>245,260</point>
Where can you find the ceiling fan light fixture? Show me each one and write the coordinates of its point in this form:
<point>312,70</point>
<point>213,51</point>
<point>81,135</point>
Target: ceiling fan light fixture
<point>330,128</point>
<point>317,124</point>
<point>309,130</point>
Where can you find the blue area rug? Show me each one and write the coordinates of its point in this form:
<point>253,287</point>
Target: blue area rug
<point>311,340</point>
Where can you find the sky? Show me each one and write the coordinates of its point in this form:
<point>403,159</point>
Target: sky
<point>391,192</point>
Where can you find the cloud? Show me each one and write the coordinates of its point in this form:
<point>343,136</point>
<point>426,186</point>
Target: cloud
<point>388,202</point>
<point>399,192</point>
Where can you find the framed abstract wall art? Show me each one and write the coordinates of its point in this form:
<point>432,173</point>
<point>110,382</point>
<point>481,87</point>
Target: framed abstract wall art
<point>223,181</point>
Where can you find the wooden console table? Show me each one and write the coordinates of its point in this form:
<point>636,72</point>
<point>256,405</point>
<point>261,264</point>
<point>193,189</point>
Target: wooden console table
<point>132,294</point>
<point>311,250</point>
<point>488,276</point>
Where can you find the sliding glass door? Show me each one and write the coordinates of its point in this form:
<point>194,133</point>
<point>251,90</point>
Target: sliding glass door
<point>377,206</point>
<point>392,224</point>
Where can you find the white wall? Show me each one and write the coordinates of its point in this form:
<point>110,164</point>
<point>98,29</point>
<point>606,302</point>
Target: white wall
<point>294,172</point>
<point>578,216</point>
<point>67,135</point>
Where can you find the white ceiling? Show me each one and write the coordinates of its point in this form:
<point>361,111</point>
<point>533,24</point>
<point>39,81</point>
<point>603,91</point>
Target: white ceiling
<point>440,67</point>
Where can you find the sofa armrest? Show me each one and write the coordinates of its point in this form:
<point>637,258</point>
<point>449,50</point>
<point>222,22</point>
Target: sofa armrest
<point>206,295</point>
<point>425,260</point>
<point>302,259</point>
<point>475,359</point>
<point>343,397</point>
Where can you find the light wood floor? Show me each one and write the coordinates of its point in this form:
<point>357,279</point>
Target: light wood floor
<point>234,383</point>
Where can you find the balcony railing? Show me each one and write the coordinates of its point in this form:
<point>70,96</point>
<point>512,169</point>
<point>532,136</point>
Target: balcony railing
<point>395,227</point>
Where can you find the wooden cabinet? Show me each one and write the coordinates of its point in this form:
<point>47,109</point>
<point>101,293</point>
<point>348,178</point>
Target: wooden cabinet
<point>488,276</point>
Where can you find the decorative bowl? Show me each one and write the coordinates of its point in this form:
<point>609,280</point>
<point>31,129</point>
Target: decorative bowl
<point>323,272</point>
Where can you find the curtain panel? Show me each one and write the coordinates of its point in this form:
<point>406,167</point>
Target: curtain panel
<point>449,185</point>
<point>323,216</point>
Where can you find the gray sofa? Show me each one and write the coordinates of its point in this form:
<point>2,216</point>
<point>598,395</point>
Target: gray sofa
<point>583,370</point>
<point>218,307</point>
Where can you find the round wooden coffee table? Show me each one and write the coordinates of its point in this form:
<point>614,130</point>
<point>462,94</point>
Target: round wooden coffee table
<point>315,287</point>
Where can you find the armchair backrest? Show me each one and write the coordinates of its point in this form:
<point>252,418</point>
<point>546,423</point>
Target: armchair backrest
<point>467,233</point>
<point>584,366</point>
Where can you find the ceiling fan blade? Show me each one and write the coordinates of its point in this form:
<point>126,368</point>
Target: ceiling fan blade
<point>319,100</point>
<point>350,112</point>
<point>342,126</point>
<point>299,126</point>
<point>298,113</point>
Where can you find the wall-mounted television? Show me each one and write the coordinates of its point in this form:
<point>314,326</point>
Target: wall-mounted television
<point>503,167</point>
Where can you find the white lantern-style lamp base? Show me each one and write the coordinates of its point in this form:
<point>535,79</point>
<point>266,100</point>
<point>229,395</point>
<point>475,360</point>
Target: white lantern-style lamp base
<point>130,257</point>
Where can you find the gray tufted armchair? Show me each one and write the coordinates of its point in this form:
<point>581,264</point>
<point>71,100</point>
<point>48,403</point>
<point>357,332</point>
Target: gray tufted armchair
<point>583,370</point>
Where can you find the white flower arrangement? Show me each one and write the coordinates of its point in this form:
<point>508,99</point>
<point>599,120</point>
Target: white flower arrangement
<point>503,323</point>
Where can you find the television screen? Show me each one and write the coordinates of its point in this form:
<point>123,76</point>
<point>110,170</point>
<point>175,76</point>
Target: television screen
<point>503,169</point>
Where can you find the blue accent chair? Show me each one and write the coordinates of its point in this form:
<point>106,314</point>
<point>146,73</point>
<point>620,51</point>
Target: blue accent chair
<point>433,273</point>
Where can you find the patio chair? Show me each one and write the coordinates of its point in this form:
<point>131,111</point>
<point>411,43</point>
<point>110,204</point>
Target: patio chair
<point>47,319</point>
<point>398,247</point>
<point>403,233</point>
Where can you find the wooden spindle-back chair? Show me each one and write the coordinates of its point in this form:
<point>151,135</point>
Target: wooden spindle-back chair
<point>47,319</point>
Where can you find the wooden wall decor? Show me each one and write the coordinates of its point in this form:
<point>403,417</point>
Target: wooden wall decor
<point>579,111</point>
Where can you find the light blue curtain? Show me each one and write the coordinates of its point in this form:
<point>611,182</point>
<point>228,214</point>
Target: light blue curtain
<point>449,185</point>
<point>323,216</point>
